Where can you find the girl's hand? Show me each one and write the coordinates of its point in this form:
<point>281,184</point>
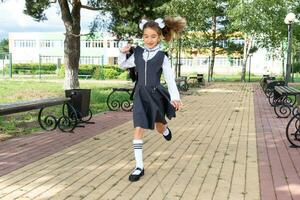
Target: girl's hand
<point>125,49</point>
<point>177,104</point>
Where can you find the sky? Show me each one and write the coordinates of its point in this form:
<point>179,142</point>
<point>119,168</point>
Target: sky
<point>12,19</point>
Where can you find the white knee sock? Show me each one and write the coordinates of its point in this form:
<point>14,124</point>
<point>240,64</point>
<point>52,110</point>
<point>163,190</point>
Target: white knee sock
<point>138,154</point>
<point>166,132</point>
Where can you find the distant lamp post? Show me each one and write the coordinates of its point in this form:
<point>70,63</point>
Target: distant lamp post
<point>289,19</point>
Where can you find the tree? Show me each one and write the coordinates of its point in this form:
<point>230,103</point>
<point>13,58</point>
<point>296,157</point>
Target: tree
<point>126,14</point>
<point>206,18</point>
<point>261,21</point>
<point>4,46</point>
<point>70,15</point>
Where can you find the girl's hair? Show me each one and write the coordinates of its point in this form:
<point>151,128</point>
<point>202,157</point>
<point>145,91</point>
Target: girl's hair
<point>173,25</point>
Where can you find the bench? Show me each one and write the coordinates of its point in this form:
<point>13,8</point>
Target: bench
<point>282,102</point>
<point>86,76</point>
<point>181,83</point>
<point>269,89</point>
<point>197,80</point>
<point>263,81</point>
<point>115,100</point>
<point>70,117</point>
<point>293,127</point>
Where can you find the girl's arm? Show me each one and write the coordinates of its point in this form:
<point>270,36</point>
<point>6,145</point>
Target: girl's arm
<point>123,61</point>
<point>170,79</point>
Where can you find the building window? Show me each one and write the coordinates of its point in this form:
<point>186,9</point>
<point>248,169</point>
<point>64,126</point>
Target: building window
<point>116,44</point>
<point>112,60</point>
<point>87,44</point>
<point>24,43</point>
<point>108,43</point>
<point>51,43</point>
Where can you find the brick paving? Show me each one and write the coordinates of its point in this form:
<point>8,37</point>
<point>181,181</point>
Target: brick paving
<point>18,152</point>
<point>279,163</point>
<point>212,155</point>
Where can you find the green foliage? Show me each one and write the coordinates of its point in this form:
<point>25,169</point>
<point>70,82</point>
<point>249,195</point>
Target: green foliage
<point>4,46</point>
<point>296,67</point>
<point>124,76</point>
<point>126,14</point>
<point>33,68</point>
<point>110,73</point>
<point>37,9</point>
<point>98,74</point>
<point>263,19</point>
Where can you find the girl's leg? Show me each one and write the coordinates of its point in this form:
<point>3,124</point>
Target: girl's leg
<point>163,129</point>
<point>160,127</point>
<point>138,133</point>
<point>138,154</point>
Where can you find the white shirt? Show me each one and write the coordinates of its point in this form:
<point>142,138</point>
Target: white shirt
<point>166,66</point>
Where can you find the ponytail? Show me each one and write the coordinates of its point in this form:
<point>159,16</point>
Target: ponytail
<point>174,25</point>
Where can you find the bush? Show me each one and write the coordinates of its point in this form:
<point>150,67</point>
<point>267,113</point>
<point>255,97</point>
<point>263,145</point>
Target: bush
<point>110,73</point>
<point>33,68</point>
<point>98,73</point>
<point>296,67</point>
<point>124,75</point>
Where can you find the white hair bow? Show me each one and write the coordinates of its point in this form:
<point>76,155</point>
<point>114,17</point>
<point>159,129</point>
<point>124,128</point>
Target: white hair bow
<point>159,21</point>
<point>142,24</point>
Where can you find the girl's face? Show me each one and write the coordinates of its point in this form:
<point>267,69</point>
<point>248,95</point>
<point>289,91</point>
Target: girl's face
<point>150,37</point>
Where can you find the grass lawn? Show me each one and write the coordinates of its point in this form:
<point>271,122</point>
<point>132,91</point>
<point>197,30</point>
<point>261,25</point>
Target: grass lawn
<point>22,90</point>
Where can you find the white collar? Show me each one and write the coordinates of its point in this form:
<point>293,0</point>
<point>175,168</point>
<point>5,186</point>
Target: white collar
<point>157,47</point>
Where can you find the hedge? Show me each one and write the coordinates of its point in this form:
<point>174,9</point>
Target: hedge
<point>95,71</point>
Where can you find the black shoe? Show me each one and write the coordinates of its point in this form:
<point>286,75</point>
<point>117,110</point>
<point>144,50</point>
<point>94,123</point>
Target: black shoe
<point>169,136</point>
<point>136,177</point>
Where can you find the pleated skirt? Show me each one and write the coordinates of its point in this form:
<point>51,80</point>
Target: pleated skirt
<point>151,105</point>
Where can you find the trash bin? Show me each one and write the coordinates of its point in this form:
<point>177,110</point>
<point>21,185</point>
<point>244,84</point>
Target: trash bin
<point>200,78</point>
<point>80,100</point>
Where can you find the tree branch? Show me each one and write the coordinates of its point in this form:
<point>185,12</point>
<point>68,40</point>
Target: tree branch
<point>89,7</point>
<point>79,35</point>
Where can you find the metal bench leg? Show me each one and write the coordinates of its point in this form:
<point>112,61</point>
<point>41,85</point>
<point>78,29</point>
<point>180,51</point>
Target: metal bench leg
<point>69,119</point>
<point>293,131</point>
<point>283,107</point>
<point>48,123</point>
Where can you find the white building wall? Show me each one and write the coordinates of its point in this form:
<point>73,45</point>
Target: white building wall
<point>28,47</point>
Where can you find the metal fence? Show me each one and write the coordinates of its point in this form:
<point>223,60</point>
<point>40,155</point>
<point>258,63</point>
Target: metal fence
<point>6,64</point>
<point>7,69</point>
<point>223,65</point>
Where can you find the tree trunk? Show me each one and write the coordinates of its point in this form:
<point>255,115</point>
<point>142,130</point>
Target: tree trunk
<point>247,48</point>
<point>71,21</point>
<point>71,61</point>
<point>213,49</point>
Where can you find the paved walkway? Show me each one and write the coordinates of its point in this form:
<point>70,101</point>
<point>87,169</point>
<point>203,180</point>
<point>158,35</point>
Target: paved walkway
<point>213,155</point>
<point>279,163</point>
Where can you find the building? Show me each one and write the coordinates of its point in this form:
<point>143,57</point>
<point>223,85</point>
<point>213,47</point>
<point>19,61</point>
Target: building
<point>49,47</point>
<point>46,47</point>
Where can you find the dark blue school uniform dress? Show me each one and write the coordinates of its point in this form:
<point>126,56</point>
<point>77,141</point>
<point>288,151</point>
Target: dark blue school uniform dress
<point>151,101</point>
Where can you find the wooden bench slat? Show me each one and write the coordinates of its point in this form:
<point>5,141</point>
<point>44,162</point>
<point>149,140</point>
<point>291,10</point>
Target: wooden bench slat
<point>286,90</point>
<point>6,109</point>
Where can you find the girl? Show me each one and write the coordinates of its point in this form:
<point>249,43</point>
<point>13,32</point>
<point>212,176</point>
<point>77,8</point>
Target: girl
<point>151,101</point>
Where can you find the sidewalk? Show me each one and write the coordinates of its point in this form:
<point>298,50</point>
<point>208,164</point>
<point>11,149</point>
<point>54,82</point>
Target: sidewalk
<point>279,163</point>
<point>212,155</point>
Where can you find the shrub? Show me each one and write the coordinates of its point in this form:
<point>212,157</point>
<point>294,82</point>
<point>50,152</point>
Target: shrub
<point>296,67</point>
<point>110,73</point>
<point>124,75</point>
<point>33,68</point>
